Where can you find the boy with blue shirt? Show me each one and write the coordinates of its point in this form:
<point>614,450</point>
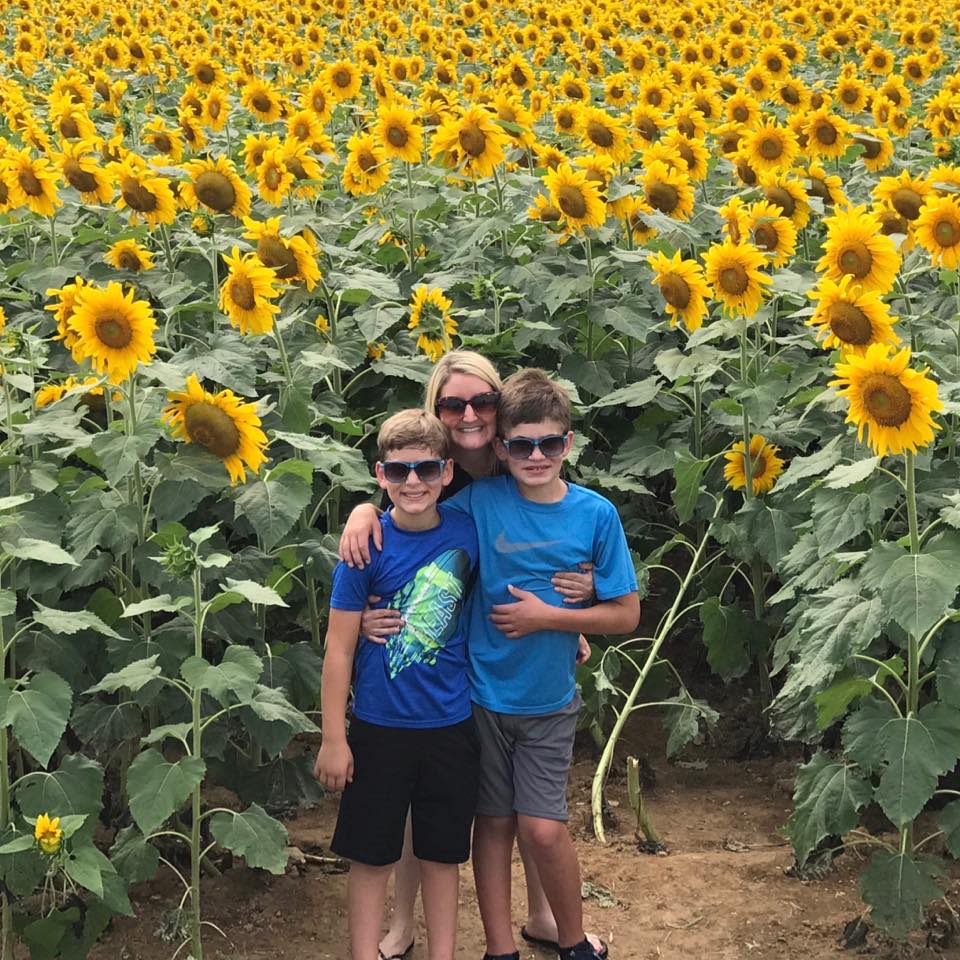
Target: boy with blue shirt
<point>412,741</point>
<point>522,644</point>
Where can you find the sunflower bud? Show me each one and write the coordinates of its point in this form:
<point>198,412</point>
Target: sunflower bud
<point>48,834</point>
<point>179,560</point>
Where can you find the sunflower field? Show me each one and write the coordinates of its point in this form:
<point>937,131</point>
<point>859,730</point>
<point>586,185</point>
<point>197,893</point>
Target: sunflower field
<point>235,236</point>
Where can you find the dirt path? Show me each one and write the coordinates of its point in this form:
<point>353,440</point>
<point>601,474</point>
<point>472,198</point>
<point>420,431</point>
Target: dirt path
<point>720,894</point>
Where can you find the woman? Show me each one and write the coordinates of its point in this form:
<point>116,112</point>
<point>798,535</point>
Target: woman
<point>463,391</point>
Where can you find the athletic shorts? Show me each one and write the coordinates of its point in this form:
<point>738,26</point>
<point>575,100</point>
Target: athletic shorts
<point>432,772</point>
<point>525,762</point>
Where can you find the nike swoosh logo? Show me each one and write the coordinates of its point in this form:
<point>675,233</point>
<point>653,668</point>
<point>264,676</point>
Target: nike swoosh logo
<point>503,545</point>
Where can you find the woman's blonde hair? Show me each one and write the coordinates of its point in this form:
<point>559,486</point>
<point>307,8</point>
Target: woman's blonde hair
<point>459,361</point>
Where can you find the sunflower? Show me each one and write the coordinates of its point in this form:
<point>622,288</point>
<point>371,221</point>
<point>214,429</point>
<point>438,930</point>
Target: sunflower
<point>828,134</point>
<point>246,294</point>
<point>30,181</point>
<point>222,424</point>
<point>544,211</point>
<point>765,465</point>
<point>216,185</point>
<point>667,190</point>
<point>770,147</point>
<point>70,119</point>
<point>167,141</point>
<point>113,331</point>
<point>471,141</point>
<point>889,399</point>
<point>51,393</point>
<point>602,133</point>
<point>255,147</point>
<point>937,230</point>
<point>683,287</point>
<point>307,172</point>
<point>304,126</point>
<point>62,310</point>
<point>342,79</point>
<point>774,234</point>
<point>129,255</point>
<point>430,317</point>
<point>401,137</point>
<point>733,272</point>
<point>851,94</point>
<point>261,100</point>
<point>147,195</point>
<point>274,179</point>
<point>367,168</point>
<point>849,318</point>
<point>216,109</point>
<point>905,193</point>
<point>735,219</point>
<point>877,147</point>
<point>742,108</point>
<point>855,246</point>
<point>577,196</point>
<point>290,258</point>
<point>79,166</point>
<point>316,97</point>
<point>789,195</point>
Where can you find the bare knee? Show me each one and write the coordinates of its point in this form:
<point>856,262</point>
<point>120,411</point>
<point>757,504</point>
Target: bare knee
<point>494,828</point>
<point>539,834</point>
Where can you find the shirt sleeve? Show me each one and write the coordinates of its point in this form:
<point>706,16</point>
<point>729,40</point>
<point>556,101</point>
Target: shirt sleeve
<point>350,587</point>
<point>613,571</point>
<point>462,501</point>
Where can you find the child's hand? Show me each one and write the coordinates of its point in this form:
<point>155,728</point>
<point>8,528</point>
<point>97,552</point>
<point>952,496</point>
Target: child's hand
<point>525,616</point>
<point>379,625</point>
<point>583,650</point>
<point>362,524</point>
<point>575,587</point>
<point>334,765</point>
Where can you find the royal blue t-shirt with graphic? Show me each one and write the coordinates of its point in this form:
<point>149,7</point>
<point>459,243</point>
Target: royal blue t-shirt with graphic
<point>524,543</point>
<point>419,677</point>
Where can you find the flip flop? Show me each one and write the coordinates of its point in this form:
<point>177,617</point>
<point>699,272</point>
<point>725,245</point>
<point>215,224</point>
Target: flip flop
<point>397,956</point>
<point>554,947</point>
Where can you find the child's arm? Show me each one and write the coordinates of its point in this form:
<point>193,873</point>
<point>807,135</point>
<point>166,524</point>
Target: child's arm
<point>334,766</point>
<point>362,524</point>
<point>530,614</point>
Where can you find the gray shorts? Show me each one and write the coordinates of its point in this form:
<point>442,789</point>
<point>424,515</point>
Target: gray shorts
<point>525,762</point>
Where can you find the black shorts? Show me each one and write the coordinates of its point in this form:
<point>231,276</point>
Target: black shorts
<point>434,772</point>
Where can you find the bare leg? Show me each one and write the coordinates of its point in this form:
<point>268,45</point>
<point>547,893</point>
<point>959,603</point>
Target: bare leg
<point>366,896</point>
<point>400,933</point>
<point>549,845</point>
<point>492,851</point>
<point>441,886</point>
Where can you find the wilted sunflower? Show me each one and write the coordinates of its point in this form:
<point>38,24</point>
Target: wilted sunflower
<point>274,178</point>
<point>855,246</point>
<point>668,190</point>
<point>222,424</point>
<point>889,399</point>
<point>129,255</point>
<point>937,230</point>
<point>367,168</point>
<point>247,292</point>
<point>216,185</point>
<point>765,465</point>
<point>470,141</point>
<point>80,168</point>
<point>145,194</point>
<point>290,258</point>
<point>114,331</point>
<point>400,136</point>
<point>850,318</point>
<point>683,287</point>
<point>733,271</point>
<point>30,181</point>
<point>577,196</point>
<point>51,393</point>
<point>430,317</point>
<point>771,232</point>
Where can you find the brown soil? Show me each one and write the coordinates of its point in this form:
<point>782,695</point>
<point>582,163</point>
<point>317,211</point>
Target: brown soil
<point>719,894</point>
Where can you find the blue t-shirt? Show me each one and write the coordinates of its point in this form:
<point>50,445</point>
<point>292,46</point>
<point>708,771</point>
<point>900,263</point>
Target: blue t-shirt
<point>524,543</point>
<point>419,677</point>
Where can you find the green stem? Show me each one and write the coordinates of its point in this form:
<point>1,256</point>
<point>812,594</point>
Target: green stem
<point>588,253</point>
<point>54,248</point>
<point>215,273</point>
<point>747,456</point>
<point>6,914</point>
<point>913,644</point>
<point>8,400</point>
<point>411,236</point>
<point>168,250</point>
<point>197,733</point>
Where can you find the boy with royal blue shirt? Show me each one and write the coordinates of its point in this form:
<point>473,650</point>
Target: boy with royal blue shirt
<point>523,642</point>
<point>412,741</point>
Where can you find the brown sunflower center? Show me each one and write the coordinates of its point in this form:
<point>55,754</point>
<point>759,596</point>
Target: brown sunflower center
<point>366,161</point>
<point>886,399</point>
<point>819,188</point>
<point>342,78</point>
<point>472,139</point>
<point>687,155</point>
<point>573,91</point>
<point>213,429</point>
<point>565,120</point>
<point>399,71</point>
<point>825,133</point>
<point>849,95</point>
<point>128,260</point>
<point>242,293</point>
<point>746,173</point>
<point>907,202</point>
<point>274,254</point>
<point>733,279</point>
<point>647,129</point>
<point>849,323</point>
<point>856,259</point>
<point>319,102</point>
<point>4,193</point>
<point>215,190</point>
<point>295,166</point>
<point>663,196</point>
<point>770,148</point>
<point>103,91</point>
<point>675,290</point>
<point>78,178</point>
<point>947,232</point>
<point>261,103</point>
<point>766,236</point>
<point>871,148</point>
<point>69,128</point>
<point>213,108</point>
<point>572,201</point>
<point>741,114</point>
<point>163,143</point>
<point>113,330</point>
<point>599,134</point>
<point>550,214</point>
<point>397,136</point>
<point>136,196</point>
<point>272,177</point>
<point>30,184</point>
<point>205,73</point>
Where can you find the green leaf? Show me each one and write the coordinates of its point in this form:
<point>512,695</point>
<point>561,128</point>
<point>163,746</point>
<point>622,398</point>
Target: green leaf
<point>273,506</point>
<point>847,474</point>
<point>417,369</point>
<point>134,676</point>
<point>103,725</point>
<point>916,591</point>
<point>838,518</point>
<point>682,721</point>
<point>948,674</point>
<point>688,473</point>
<point>826,799</point>
<point>949,823</point>
<point>912,768</point>
<point>16,500</point>
<point>943,722</point>
<point>832,703</point>
<point>238,672</point>
<point>76,787</point>
<point>133,857</point>
<point>164,603</point>
<point>42,550</point>
<point>951,513</point>
<point>26,841</point>
<point>8,603</point>
<point>253,835</point>
<point>119,452</point>
<point>72,621</point>
<point>898,888</point>
<point>157,789</point>
<point>802,468</point>
<point>178,731</point>
<point>38,711</point>
<point>635,395</point>
<point>725,635</point>
<point>861,733</point>
<point>85,867</point>
<point>255,593</point>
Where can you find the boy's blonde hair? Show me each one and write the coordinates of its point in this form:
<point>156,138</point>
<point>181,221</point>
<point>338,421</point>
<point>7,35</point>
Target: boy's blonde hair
<point>459,361</point>
<point>530,396</point>
<point>412,428</point>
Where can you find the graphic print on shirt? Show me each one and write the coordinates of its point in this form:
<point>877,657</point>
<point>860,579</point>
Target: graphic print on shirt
<point>430,606</point>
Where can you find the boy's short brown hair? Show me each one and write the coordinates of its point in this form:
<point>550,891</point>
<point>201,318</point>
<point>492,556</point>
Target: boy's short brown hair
<point>530,396</point>
<point>413,428</point>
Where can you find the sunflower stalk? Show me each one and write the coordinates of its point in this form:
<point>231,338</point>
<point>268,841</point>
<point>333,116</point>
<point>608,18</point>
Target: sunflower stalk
<point>215,272</point>
<point>54,247</point>
<point>747,457</point>
<point>411,234</point>
<point>196,850</point>
<point>6,913</point>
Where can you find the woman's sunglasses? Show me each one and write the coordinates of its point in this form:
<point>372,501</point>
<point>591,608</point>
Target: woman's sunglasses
<point>481,403</point>
<point>397,471</point>
<point>521,448</point>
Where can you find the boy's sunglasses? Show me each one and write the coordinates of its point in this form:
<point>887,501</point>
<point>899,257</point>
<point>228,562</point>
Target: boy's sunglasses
<point>397,471</point>
<point>521,448</point>
<point>481,402</point>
